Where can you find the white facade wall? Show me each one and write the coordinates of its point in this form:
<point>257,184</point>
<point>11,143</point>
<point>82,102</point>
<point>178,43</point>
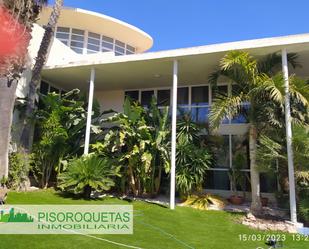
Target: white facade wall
<point>110,100</point>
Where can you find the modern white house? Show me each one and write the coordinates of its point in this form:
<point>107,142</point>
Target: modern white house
<point>108,58</point>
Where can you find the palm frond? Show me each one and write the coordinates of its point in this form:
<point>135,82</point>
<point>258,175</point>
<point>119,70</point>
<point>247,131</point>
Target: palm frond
<point>271,63</point>
<point>225,107</point>
<point>239,59</point>
<point>299,90</point>
<point>271,88</point>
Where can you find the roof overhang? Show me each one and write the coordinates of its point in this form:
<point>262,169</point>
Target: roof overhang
<point>102,24</point>
<point>154,69</point>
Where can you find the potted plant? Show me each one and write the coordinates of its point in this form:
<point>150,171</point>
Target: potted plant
<point>237,178</point>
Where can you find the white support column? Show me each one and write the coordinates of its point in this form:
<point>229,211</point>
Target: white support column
<point>174,122</point>
<point>289,136</point>
<point>89,111</point>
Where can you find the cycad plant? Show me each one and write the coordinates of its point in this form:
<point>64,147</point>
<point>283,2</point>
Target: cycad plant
<point>88,173</point>
<point>255,84</point>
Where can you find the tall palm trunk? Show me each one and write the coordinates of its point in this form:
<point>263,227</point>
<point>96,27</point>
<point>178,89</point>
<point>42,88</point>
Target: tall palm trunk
<point>36,72</point>
<point>256,206</point>
<point>7,100</point>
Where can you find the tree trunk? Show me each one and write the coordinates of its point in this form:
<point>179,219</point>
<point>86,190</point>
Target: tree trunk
<point>7,100</point>
<point>36,72</point>
<point>256,206</point>
<point>132,181</point>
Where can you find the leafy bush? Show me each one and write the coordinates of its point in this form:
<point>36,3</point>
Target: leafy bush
<point>60,129</point>
<point>140,142</point>
<point>19,167</point>
<point>88,173</point>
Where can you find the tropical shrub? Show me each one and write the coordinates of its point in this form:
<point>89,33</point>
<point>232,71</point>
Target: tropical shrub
<point>19,167</point>
<point>192,159</point>
<point>140,142</point>
<point>88,173</point>
<point>60,128</point>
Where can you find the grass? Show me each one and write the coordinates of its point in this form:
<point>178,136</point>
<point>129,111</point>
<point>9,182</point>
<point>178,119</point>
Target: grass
<point>155,227</point>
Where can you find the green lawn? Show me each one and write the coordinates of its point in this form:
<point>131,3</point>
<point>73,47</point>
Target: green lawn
<point>155,227</point>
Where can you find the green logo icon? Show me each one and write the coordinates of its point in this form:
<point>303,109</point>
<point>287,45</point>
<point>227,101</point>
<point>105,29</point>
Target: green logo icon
<point>12,217</point>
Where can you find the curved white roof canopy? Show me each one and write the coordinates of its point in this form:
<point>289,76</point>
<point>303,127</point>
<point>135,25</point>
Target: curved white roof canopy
<point>102,24</point>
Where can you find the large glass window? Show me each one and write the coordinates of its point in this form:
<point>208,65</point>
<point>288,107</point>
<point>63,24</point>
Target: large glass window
<point>75,39</point>
<point>200,96</point>
<point>130,50</point>
<point>119,48</point>
<point>146,97</point>
<point>93,45</point>
<point>217,179</point>
<point>240,146</point>
<point>132,94</point>
<point>268,182</point>
<point>63,34</point>
<point>199,104</point>
<point>163,97</point>
<point>221,150</point>
<point>183,96</point>
<point>200,114</point>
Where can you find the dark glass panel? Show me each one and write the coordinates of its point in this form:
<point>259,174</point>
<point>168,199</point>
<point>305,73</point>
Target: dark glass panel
<point>200,114</point>
<point>240,145</point>
<point>220,149</point>
<point>164,97</point>
<point>183,96</point>
<point>216,179</point>
<point>200,95</point>
<point>132,94</point>
<point>44,88</point>
<point>268,182</point>
<point>146,97</point>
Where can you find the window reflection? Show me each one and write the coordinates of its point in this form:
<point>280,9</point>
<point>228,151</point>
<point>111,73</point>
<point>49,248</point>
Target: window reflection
<point>200,95</point>
<point>200,114</point>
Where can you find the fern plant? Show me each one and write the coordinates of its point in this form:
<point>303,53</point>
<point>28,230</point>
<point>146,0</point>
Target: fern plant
<point>88,173</point>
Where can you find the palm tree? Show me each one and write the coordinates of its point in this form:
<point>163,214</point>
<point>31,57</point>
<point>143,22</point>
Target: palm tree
<point>255,84</point>
<point>19,16</point>
<point>36,72</point>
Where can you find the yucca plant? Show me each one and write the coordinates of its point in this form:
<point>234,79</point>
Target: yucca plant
<point>88,173</point>
<point>203,202</point>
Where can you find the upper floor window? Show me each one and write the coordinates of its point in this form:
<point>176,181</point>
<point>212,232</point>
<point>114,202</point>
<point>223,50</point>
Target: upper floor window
<point>200,104</point>
<point>195,100</point>
<point>146,97</point>
<point>77,40</point>
<point>63,34</point>
<point>93,45</point>
<point>83,41</point>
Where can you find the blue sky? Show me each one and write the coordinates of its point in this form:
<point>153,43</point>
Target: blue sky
<point>181,23</point>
